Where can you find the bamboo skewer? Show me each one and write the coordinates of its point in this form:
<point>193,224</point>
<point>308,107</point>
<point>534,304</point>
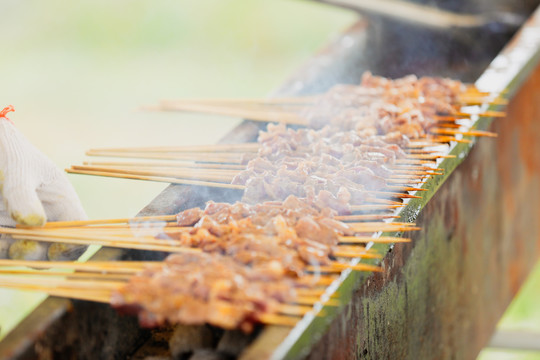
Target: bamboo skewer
<point>227,110</point>
<point>370,207</point>
<point>128,268</point>
<point>167,218</point>
<point>183,158</point>
<point>71,275</point>
<point>167,164</point>
<point>157,178</point>
<point>261,112</point>
<point>355,254</point>
<point>277,320</point>
<point>221,174</point>
<point>470,132</point>
<point>151,244</point>
<point>126,239</point>
<point>465,99</point>
<point>368,239</point>
<point>59,224</point>
<point>96,282</point>
<point>102,294</point>
<point>194,174</point>
<point>384,227</point>
<point>98,266</point>
<point>337,267</point>
<point>375,201</point>
<point>241,147</point>
<point>365,217</point>
<point>175,180</point>
<point>209,158</point>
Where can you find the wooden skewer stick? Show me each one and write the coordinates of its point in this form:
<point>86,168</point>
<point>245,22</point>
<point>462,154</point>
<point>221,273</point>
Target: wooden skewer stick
<point>450,125</point>
<point>128,268</point>
<point>232,158</point>
<point>294,310</point>
<point>79,284</point>
<point>277,320</point>
<point>226,176</point>
<point>494,114</point>
<point>420,169</point>
<point>229,106</point>
<point>440,140</point>
<point>182,158</point>
<point>404,188</point>
<point>211,149</point>
<point>255,115</point>
<point>312,300</point>
<point>76,223</point>
<point>375,207</point>
<point>157,178</point>
<point>384,227</point>
<point>479,100</point>
<point>201,174</point>
<point>413,161</point>
<point>368,239</point>
<point>413,175</point>
<point>470,94</point>
<point>121,267</point>
<point>376,223</point>
<point>376,201</point>
<point>307,99</point>
<point>117,243</point>
<point>242,147</point>
<point>313,280</point>
<point>365,217</point>
<point>430,156</point>
<point>170,163</point>
<point>337,267</point>
<point>125,236</point>
<point>470,133</point>
<point>163,169</point>
<point>395,195</point>
<point>188,175</point>
<point>60,292</point>
<point>173,180</point>
<point>354,254</point>
<point>121,278</point>
<point>88,293</point>
<point>401,182</point>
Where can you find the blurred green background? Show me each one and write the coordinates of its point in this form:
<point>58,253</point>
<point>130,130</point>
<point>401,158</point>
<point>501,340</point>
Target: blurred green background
<point>78,72</point>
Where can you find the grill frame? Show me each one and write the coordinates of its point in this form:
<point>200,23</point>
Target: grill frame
<point>43,332</point>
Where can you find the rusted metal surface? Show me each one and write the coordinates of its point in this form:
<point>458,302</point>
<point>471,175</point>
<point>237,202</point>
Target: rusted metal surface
<point>98,332</point>
<point>441,295</point>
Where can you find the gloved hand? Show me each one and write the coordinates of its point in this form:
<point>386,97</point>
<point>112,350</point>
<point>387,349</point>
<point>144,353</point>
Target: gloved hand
<point>33,190</point>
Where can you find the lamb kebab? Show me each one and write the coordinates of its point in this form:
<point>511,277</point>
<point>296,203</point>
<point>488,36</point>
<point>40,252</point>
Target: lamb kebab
<point>303,162</point>
<point>375,118</point>
<point>297,232</point>
<point>338,168</point>
<point>184,288</point>
<point>408,105</point>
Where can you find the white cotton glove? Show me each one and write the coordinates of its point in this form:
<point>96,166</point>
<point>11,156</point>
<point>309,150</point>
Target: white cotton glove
<point>33,191</point>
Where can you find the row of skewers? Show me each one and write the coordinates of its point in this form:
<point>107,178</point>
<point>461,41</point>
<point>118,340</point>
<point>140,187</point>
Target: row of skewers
<point>313,197</point>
